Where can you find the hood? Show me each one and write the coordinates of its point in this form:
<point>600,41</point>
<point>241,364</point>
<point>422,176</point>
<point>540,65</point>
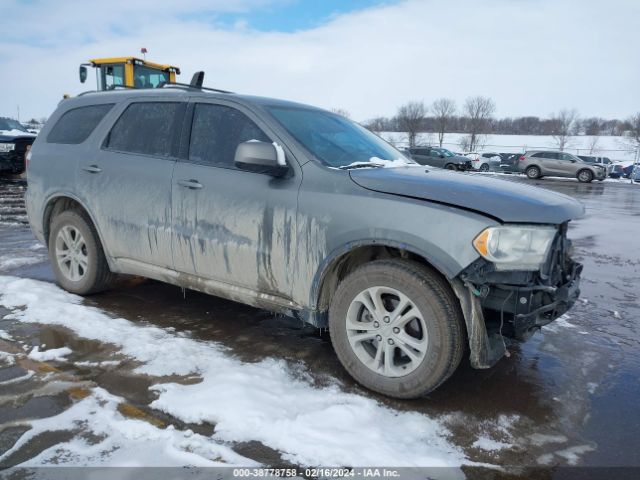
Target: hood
<point>10,135</point>
<point>502,199</point>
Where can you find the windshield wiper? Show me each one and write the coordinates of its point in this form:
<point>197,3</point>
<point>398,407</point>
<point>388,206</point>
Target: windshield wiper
<point>361,165</point>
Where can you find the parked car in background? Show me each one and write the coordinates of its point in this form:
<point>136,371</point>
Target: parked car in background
<point>15,141</point>
<point>540,163</point>
<point>604,161</point>
<point>626,171</point>
<point>439,157</point>
<point>617,170</point>
<point>485,162</point>
<point>509,163</point>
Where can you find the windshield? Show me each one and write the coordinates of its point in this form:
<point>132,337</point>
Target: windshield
<point>444,151</point>
<point>10,124</point>
<point>335,140</point>
<point>145,77</point>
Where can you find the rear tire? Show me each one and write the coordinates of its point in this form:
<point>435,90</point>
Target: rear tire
<point>585,176</point>
<point>402,354</point>
<point>533,172</point>
<point>76,254</point>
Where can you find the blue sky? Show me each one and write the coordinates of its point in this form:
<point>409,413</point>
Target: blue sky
<point>295,15</point>
<point>532,57</point>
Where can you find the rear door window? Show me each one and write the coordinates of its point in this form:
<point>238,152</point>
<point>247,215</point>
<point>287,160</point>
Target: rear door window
<point>75,125</point>
<point>148,128</point>
<point>216,132</point>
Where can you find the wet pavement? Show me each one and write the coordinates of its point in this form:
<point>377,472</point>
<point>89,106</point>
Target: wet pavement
<point>569,396</point>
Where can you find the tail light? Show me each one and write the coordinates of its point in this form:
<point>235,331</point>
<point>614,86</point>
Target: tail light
<point>522,158</point>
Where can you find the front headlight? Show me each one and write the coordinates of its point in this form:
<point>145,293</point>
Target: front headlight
<point>7,147</point>
<point>515,247</point>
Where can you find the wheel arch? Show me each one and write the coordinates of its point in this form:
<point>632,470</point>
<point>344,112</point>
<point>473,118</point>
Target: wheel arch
<point>347,258</point>
<point>64,201</point>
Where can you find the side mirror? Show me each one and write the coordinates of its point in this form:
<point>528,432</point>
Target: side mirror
<point>441,156</point>
<point>259,157</point>
<point>83,74</point>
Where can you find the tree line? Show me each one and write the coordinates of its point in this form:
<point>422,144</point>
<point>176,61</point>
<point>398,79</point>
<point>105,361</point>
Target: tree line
<point>476,119</point>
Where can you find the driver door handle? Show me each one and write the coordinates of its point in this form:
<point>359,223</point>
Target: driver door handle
<point>191,184</point>
<point>92,169</point>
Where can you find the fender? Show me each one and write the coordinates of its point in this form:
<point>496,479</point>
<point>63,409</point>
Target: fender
<point>335,254</point>
<point>48,206</point>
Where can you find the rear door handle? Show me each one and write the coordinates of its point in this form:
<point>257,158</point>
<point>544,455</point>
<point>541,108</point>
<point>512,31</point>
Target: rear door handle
<point>92,169</point>
<point>192,184</point>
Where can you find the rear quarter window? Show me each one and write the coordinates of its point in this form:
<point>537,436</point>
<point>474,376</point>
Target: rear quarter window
<point>75,125</point>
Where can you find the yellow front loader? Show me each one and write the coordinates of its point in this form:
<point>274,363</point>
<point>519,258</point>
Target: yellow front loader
<point>129,72</point>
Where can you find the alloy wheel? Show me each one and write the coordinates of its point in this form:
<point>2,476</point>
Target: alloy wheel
<point>386,331</point>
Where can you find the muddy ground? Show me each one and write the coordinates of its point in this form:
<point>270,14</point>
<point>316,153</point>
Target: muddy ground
<point>569,396</point>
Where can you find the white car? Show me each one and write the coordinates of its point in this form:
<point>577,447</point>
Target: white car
<point>485,162</point>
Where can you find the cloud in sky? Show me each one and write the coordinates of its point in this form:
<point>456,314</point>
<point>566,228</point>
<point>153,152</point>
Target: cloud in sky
<point>533,57</point>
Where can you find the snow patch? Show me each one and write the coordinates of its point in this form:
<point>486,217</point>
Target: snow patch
<point>558,324</point>
<point>5,336</point>
<point>539,439</point>
<point>7,358</point>
<point>104,437</point>
<point>572,454</point>
<point>54,354</point>
<point>9,262</point>
<point>262,401</point>
<point>490,445</point>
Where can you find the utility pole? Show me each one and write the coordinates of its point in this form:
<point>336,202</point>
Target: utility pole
<point>636,165</point>
<point>18,107</point>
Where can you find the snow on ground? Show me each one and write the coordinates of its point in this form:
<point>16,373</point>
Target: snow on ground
<point>264,401</point>
<point>9,262</point>
<point>489,444</point>
<point>55,354</point>
<point>104,437</point>
<point>616,148</point>
<point>558,324</point>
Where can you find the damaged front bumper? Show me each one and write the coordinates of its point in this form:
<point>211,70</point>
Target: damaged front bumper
<point>513,304</point>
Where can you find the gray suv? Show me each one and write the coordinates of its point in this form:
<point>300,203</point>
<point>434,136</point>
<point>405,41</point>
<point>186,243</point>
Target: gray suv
<point>301,211</point>
<point>540,163</point>
<point>439,157</point>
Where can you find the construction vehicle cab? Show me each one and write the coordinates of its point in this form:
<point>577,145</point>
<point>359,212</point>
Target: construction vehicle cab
<point>129,72</point>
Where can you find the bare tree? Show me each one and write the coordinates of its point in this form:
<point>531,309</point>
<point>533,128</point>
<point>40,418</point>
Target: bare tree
<point>479,112</point>
<point>593,143</point>
<point>563,127</point>
<point>376,125</point>
<point>410,118</point>
<point>342,112</point>
<point>634,129</point>
<point>443,109</point>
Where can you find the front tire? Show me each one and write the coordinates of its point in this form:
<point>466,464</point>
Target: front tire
<point>450,166</point>
<point>585,176</point>
<point>397,328</point>
<point>76,254</point>
<point>484,167</point>
<point>533,172</point>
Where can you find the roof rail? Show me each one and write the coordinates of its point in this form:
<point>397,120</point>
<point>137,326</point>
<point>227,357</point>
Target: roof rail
<point>196,84</point>
<point>186,86</point>
<point>114,87</point>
